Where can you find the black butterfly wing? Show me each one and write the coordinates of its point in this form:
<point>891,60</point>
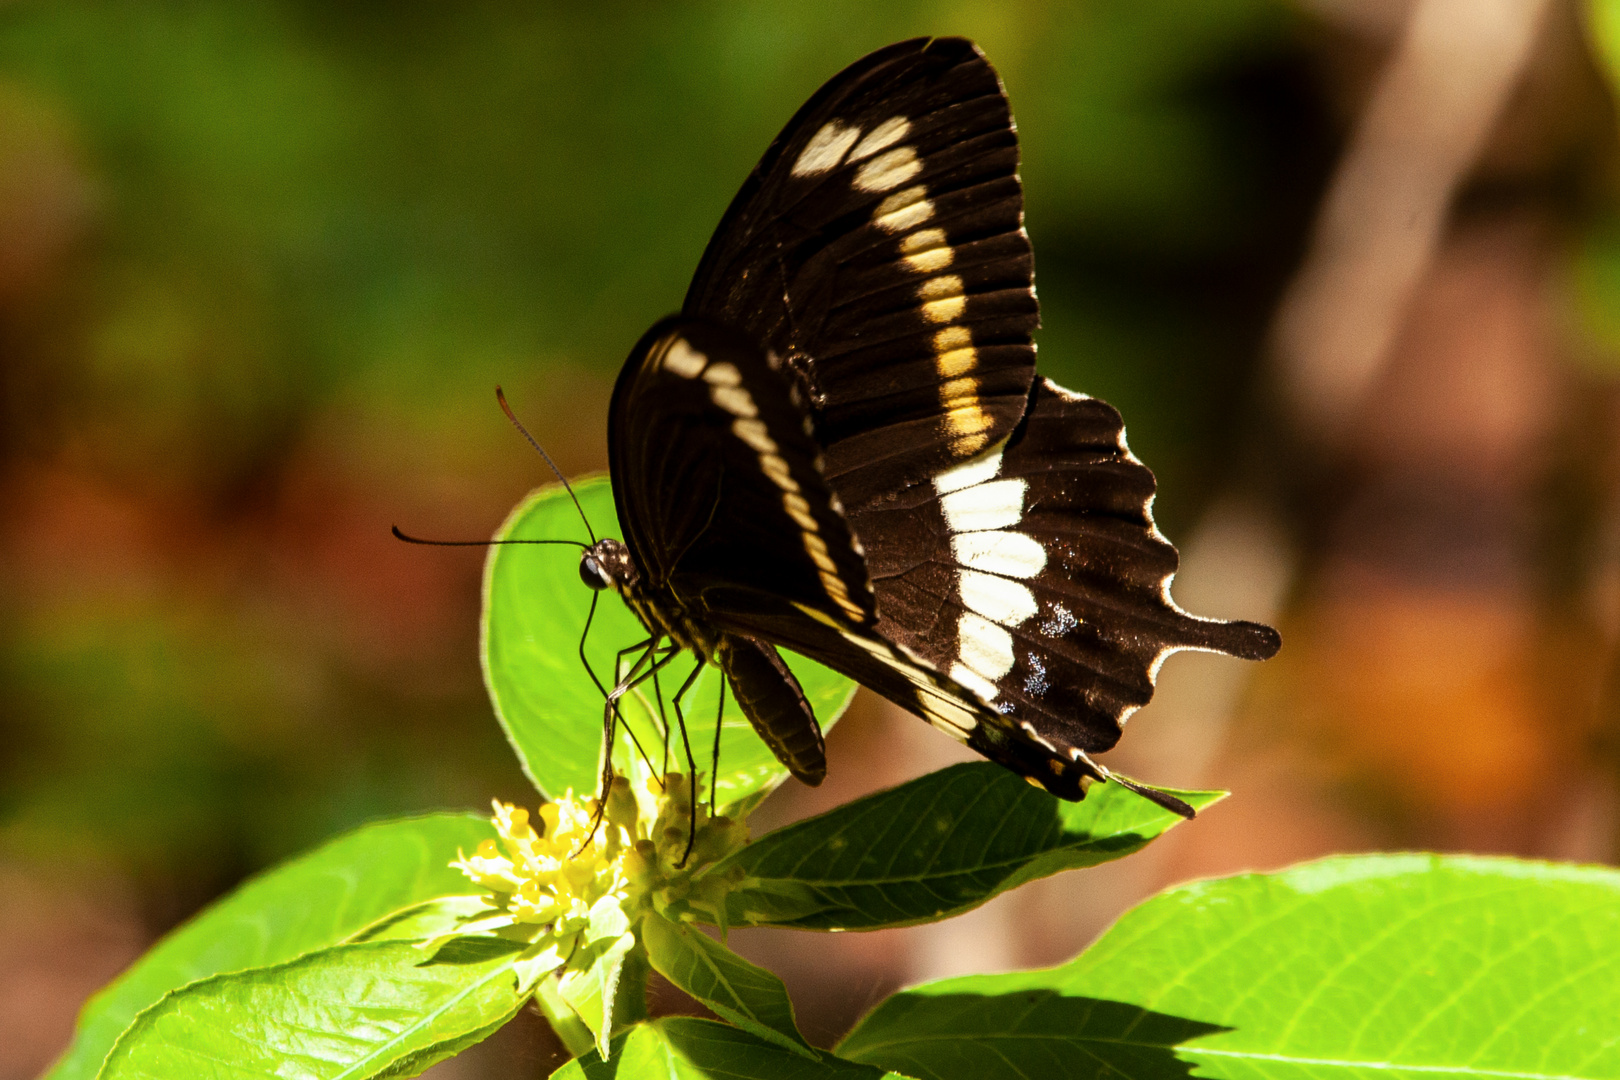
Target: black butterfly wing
<point>718,485</point>
<point>878,248</point>
<point>728,518</point>
<point>877,269</point>
<point>1033,575</point>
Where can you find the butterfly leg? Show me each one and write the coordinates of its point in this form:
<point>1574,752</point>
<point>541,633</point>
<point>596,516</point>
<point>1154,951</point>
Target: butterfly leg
<point>583,636</point>
<point>618,660</point>
<point>663,720</point>
<point>610,714</point>
<point>714,760</point>
<point>618,665</point>
<point>691,763</point>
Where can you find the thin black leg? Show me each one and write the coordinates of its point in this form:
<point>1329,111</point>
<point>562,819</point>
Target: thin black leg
<point>714,761</point>
<point>691,765</point>
<point>610,712</point>
<point>618,662</point>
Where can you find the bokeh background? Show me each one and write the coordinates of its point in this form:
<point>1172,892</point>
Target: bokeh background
<point>1350,268</point>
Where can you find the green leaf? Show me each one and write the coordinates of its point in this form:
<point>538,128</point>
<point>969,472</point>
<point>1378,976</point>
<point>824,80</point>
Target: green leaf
<point>565,1022</point>
<point>932,848</point>
<point>1400,966</point>
<point>748,996</point>
<point>535,608</point>
<point>589,984</point>
<point>351,1011</point>
<point>436,918</point>
<point>1603,26</point>
<point>316,900</point>
<point>685,1048</point>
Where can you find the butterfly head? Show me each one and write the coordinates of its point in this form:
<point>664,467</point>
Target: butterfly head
<point>606,564</point>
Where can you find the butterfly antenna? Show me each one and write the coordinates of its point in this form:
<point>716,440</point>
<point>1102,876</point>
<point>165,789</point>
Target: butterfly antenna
<point>500,396</point>
<point>409,539</point>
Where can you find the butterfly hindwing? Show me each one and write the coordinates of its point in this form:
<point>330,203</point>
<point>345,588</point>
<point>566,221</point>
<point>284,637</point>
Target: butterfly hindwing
<point>878,247</point>
<point>1034,576</point>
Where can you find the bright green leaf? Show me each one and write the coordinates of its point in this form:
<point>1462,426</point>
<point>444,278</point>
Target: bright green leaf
<point>592,979</point>
<point>535,608</point>
<point>351,1011</point>
<point>1603,25</point>
<point>934,847</point>
<point>314,901</point>
<point>1410,967</point>
<point>565,1022</point>
<point>436,918</point>
<point>748,996</point>
<point>684,1048</point>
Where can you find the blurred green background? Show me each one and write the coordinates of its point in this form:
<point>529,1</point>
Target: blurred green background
<point>262,263</point>
<point>282,253</point>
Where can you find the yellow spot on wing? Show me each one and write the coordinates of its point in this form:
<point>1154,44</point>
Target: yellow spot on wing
<point>753,433</point>
<point>957,393</point>
<point>798,509</point>
<point>882,137</point>
<point>777,469</point>
<point>926,251</point>
<point>956,362</point>
<point>722,374</point>
<point>942,286</point>
<point>888,170</point>
<point>903,210</point>
<point>684,360</point>
<point>735,400</point>
<point>922,240</point>
<point>927,262</point>
<point>825,149</point>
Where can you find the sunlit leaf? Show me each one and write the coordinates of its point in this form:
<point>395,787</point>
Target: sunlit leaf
<point>535,606</point>
<point>352,1011</point>
<point>440,917</point>
<point>933,847</point>
<point>737,990</point>
<point>314,901</point>
<point>592,979</point>
<point>683,1048</point>
<point>1400,966</point>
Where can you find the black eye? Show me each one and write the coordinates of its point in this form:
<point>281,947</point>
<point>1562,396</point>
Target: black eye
<point>590,572</point>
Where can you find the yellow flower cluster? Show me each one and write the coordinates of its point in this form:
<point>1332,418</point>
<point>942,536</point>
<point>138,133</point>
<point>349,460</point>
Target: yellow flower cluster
<point>549,875</point>
<point>553,874</point>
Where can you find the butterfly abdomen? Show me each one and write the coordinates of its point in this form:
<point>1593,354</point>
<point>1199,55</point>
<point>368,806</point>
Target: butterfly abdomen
<point>775,705</point>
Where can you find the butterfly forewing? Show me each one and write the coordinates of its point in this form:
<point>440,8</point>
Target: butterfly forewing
<point>718,483</point>
<point>878,247</point>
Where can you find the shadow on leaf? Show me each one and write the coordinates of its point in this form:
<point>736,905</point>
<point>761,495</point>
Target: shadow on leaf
<point>931,1034</point>
<point>933,847</point>
<point>473,950</point>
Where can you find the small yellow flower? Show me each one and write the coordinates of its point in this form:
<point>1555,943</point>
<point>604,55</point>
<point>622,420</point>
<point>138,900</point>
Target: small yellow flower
<point>574,885</point>
<point>545,873</point>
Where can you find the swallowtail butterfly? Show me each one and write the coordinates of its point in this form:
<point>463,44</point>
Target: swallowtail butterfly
<point>841,446</point>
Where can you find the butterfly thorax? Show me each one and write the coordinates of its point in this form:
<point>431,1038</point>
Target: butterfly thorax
<point>608,564</point>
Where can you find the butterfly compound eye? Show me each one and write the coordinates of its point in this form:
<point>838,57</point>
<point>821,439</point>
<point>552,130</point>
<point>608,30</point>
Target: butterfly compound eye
<point>591,572</point>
